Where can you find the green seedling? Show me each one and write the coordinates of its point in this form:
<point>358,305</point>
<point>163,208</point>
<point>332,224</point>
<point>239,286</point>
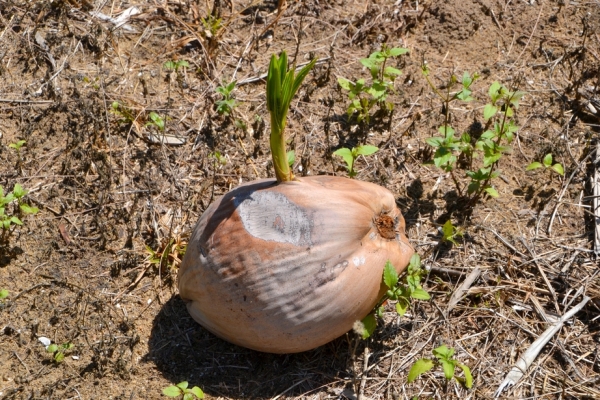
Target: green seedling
<point>282,85</point>
<point>17,146</point>
<point>15,197</point>
<point>220,159</point>
<point>156,120</point>
<point>58,351</point>
<point>547,164</point>
<point>3,294</point>
<point>350,156</point>
<point>402,292</point>
<point>443,355</point>
<point>169,254</point>
<point>174,65</point>
<point>124,114</point>
<point>450,233</point>
<point>364,96</point>
<point>489,147</point>
<point>227,104</point>
<point>181,389</point>
<point>212,25</point>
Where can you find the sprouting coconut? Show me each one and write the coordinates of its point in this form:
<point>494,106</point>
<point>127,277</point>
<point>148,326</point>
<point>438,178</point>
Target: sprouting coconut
<point>287,265</point>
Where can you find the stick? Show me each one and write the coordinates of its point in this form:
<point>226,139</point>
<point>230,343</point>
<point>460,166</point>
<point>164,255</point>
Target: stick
<point>459,293</point>
<point>525,361</point>
<point>596,202</point>
<point>363,379</point>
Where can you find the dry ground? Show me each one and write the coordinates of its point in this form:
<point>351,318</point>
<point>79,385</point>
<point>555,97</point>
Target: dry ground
<point>79,271</point>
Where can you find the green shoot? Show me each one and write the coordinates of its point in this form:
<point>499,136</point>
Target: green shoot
<point>282,85</point>
<point>17,146</point>
<point>402,292</point>
<point>3,294</point>
<point>444,358</point>
<point>156,120</point>
<point>547,164</point>
<point>181,389</point>
<point>125,114</point>
<point>226,105</point>
<point>350,156</point>
<point>450,233</point>
<point>15,197</point>
<point>364,96</point>
<point>174,65</point>
<point>59,351</point>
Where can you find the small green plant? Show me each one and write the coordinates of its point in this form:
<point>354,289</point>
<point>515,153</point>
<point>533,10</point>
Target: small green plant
<point>169,254</point>
<point>58,351</point>
<point>350,156</point>
<point>3,294</point>
<point>402,292</point>
<point>211,25</point>
<point>227,104</point>
<point>174,65</point>
<point>444,357</point>
<point>450,233</point>
<point>124,114</point>
<point>181,389</point>
<point>17,146</point>
<point>364,96</point>
<point>15,197</point>
<point>490,146</point>
<point>547,164</point>
<point>156,120</point>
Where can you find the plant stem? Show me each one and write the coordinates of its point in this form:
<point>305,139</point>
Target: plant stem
<point>283,173</point>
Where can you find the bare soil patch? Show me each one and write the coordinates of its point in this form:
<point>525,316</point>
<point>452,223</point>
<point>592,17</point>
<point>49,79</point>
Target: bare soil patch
<point>110,185</point>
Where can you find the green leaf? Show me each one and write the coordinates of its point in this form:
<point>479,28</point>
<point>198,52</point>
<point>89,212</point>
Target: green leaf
<point>402,306</point>
<point>392,71</point>
<point>547,161</point>
<point>16,220</point>
<point>420,294</point>
<point>446,130</point>
<point>489,111</point>
<point>345,83</point>
<point>447,230</point>
<point>466,79</point>
<point>558,168</point>
<point>492,192</point>
<point>18,191</point>
<point>3,294</point>
<point>448,367</point>
<point>494,91</point>
<point>468,376</point>
<point>291,157</point>
<point>346,154</point>
<point>366,150</point>
<point>419,368</point>
<point>59,357</point>
<point>182,385</point>
<point>443,352</point>
<point>188,396</point>
<point>52,348</point>
<point>369,323</point>
<point>435,141</point>
<point>534,165</point>
<point>397,51</point>
<point>27,209</point>
<point>390,275</point>
<point>172,391</point>
<point>197,392</point>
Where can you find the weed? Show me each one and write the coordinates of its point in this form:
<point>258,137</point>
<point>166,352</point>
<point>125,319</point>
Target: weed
<point>181,389</point>
<point>15,198</point>
<point>174,65</point>
<point>212,25</point>
<point>156,120</point>
<point>364,96</point>
<point>169,254</point>
<point>227,104</point>
<point>443,355</point>
<point>401,292</point>
<point>350,156</point>
<point>17,146</point>
<point>547,164</point>
<point>125,114</point>
<point>490,146</point>
<point>58,351</point>
<point>450,233</point>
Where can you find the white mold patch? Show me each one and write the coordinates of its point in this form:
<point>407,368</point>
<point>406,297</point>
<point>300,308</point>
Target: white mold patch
<point>271,216</point>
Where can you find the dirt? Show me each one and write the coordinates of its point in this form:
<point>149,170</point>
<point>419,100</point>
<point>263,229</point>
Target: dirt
<point>96,266</point>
